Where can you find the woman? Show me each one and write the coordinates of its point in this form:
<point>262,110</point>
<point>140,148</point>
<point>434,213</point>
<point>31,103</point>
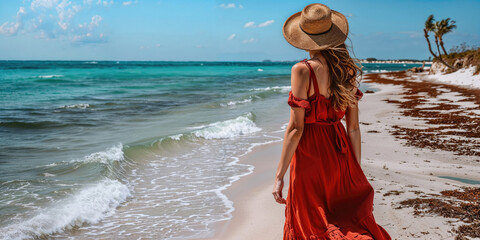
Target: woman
<point>329,196</point>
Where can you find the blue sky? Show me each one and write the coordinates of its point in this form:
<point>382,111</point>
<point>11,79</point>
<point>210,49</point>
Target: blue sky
<point>243,30</point>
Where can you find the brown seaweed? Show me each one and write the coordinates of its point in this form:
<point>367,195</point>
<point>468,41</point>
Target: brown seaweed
<point>449,128</point>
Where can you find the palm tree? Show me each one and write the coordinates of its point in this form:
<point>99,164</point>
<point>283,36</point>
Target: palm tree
<point>439,28</point>
<point>443,27</point>
<point>429,26</point>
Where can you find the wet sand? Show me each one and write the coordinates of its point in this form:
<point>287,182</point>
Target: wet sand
<point>419,140</point>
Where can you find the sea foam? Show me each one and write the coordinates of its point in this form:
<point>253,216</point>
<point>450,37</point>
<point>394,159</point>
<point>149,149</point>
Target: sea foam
<point>377,71</point>
<point>274,88</point>
<point>233,103</point>
<point>81,106</point>
<point>241,125</point>
<point>50,76</point>
<point>87,206</point>
<point>110,155</point>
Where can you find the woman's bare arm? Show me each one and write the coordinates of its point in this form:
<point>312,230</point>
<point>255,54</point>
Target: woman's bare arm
<point>294,130</point>
<point>353,129</point>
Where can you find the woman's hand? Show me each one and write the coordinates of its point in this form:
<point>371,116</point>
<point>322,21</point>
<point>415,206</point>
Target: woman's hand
<point>277,191</point>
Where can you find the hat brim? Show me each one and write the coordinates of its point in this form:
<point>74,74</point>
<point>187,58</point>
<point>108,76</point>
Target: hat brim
<point>300,39</point>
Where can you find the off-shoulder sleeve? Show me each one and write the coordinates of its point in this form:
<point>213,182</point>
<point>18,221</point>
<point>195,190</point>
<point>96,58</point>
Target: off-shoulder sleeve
<point>298,102</point>
<point>359,94</point>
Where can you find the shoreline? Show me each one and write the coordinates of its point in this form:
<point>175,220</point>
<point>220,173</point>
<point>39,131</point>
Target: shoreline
<point>252,195</point>
<point>397,171</point>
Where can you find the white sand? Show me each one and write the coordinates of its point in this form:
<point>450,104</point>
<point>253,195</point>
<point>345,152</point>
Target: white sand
<point>387,164</point>
<point>462,77</point>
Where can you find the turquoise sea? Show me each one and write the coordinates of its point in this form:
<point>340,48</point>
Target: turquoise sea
<point>132,149</point>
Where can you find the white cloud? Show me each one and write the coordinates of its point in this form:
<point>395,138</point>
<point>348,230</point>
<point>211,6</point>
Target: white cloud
<point>266,23</point>
<point>253,25</point>
<point>43,4</point>
<point>240,6</point>
<point>86,33</point>
<point>54,19</point>
<point>89,38</point>
<point>11,28</point>
<point>127,3</point>
<point>45,25</point>
<point>76,8</point>
<point>251,40</point>
<point>158,45</point>
<point>231,37</point>
<point>249,25</point>
<point>65,13</point>
<point>105,3</point>
<point>21,11</point>
<point>95,20</point>
<point>228,5</point>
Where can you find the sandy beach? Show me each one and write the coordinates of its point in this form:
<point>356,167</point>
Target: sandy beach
<point>399,163</point>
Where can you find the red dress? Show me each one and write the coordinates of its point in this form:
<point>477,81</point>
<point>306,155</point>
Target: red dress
<point>329,196</point>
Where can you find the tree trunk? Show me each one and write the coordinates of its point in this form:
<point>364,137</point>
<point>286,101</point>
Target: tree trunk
<point>440,56</point>
<point>428,41</point>
<point>441,45</point>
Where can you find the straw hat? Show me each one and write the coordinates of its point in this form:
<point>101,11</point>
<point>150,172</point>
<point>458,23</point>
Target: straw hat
<point>316,27</point>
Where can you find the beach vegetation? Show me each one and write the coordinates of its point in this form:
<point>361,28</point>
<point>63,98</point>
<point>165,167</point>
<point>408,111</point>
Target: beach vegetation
<point>464,55</point>
<point>463,48</point>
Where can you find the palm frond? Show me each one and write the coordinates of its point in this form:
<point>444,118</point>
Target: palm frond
<point>429,24</point>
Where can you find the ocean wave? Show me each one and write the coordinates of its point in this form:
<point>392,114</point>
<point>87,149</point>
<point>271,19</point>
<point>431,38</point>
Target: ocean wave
<point>109,156</point>
<point>233,103</point>
<point>87,206</point>
<point>377,71</point>
<point>43,124</point>
<point>32,125</point>
<point>50,76</point>
<point>80,105</point>
<point>231,128</point>
<point>241,125</point>
<point>46,174</point>
<point>176,137</point>
<point>274,88</point>
<point>113,154</point>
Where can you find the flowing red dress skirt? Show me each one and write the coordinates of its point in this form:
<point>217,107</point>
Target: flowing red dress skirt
<point>329,196</point>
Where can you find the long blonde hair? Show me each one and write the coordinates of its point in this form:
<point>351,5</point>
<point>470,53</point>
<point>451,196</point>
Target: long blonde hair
<point>343,71</point>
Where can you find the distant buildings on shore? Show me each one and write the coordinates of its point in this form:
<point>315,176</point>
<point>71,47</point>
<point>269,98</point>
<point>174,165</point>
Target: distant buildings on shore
<point>373,60</point>
<point>405,61</point>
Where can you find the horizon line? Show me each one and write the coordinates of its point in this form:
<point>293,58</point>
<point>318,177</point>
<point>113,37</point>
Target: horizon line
<point>266,60</point>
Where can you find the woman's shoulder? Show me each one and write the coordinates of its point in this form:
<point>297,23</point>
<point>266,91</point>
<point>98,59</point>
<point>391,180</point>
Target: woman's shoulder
<point>300,68</point>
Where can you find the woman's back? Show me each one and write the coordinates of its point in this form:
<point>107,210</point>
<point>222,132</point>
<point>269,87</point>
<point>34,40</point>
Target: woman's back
<point>321,72</point>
